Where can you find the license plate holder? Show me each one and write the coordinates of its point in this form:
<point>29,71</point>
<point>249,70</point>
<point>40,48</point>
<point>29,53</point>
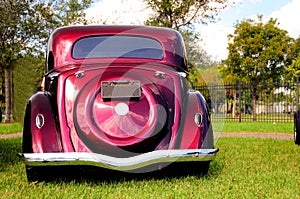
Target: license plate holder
<point>121,89</point>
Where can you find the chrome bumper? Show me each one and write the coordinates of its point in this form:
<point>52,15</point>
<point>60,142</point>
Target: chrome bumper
<point>121,164</point>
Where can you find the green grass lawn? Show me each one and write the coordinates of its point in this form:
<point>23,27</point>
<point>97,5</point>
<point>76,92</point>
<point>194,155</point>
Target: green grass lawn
<point>10,128</point>
<point>280,127</point>
<point>265,127</point>
<point>244,168</point>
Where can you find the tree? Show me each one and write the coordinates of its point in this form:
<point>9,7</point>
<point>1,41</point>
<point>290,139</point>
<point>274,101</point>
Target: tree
<point>257,53</point>
<point>183,13</point>
<point>197,57</point>
<point>27,73</point>
<point>24,28</point>
<point>229,75</point>
<point>293,69</point>
<point>295,50</point>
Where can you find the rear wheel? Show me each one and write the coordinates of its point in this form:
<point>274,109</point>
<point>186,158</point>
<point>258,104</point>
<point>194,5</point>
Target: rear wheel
<point>189,168</point>
<point>201,168</point>
<point>297,127</point>
<point>33,174</point>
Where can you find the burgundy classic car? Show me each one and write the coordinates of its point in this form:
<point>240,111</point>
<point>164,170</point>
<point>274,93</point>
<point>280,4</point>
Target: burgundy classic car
<point>116,97</point>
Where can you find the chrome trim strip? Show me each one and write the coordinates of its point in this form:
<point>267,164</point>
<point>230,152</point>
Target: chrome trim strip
<point>121,164</point>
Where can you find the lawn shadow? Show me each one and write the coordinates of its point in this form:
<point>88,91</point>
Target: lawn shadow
<point>9,148</point>
<point>81,174</point>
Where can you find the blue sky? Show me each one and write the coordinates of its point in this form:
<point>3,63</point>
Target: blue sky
<point>214,35</point>
<point>249,7</point>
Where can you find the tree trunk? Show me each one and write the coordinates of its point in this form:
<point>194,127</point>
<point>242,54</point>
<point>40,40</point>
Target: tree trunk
<point>253,94</point>
<point>2,91</point>
<point>8,105</point>
<point>12,94</point>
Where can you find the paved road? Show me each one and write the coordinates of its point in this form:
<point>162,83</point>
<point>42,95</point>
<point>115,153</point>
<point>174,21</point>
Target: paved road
<point>10,135</point>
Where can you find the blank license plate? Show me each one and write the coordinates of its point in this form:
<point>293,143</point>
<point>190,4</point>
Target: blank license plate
<point>121,89</point>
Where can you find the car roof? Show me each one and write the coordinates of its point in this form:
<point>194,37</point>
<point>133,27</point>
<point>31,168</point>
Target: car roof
<point>59,50</point>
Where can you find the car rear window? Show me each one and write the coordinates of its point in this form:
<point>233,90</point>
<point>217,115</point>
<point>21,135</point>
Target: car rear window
<point>113,46</point>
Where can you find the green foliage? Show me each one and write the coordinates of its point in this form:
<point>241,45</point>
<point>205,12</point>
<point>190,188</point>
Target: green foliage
<point>194,76</point>
<point>295,51</point>
<point>258,52</point>
<point>196,56</point>
<point>293,69</point>
<point>69,12</point>
<point>28,73</point>
<point>244,168</point>
<point>183,13</point>
<point>25,27</point>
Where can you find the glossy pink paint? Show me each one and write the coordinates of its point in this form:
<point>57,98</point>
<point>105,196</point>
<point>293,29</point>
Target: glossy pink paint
<point>85,122</point>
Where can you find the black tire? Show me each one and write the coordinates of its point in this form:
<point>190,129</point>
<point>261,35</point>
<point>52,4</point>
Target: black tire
<point>190,168</point>
<point>41,173</point>
<point>297,127</point>
<point>200,168</point>
<point>32,174</point>
<point>204,167</point>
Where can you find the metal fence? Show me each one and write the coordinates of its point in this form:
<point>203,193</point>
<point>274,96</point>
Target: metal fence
<point>272,102</point>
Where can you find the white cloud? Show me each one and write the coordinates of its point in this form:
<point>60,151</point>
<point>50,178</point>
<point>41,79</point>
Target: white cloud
<point>214,35</point>
<point>287,17</point>
<point>215,40</point>
<point>123,12</point>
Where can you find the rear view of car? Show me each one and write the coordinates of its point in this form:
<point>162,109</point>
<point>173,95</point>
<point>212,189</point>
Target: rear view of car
<point>116,97</point>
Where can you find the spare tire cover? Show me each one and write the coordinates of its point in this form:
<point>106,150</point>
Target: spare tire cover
<point>118,122</point>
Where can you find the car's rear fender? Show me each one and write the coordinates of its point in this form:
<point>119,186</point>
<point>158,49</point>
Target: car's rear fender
<point>40,128</point>
<point>195,127</point>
